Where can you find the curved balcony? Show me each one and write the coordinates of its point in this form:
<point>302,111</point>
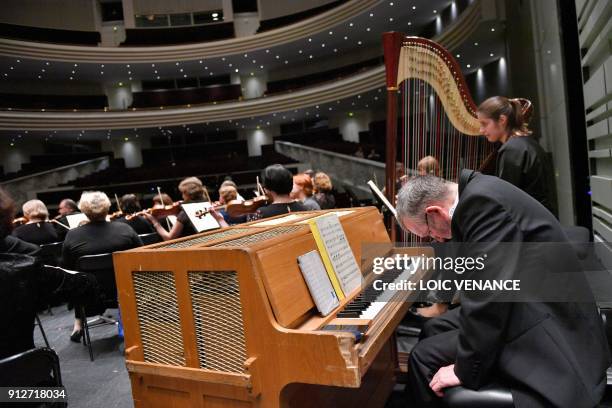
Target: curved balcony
<point>330,91</point>
<point>126,55</point>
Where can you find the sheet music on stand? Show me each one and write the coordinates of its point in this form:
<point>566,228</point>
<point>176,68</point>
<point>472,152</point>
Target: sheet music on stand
<point>329,234</point>
<point>75,219</point>
<point>200,222</point>
<point>318,282</point>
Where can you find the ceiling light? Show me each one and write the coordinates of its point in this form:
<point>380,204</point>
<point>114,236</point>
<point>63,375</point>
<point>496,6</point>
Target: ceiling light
<point>120,83</point>
<point>350,24</point>
<point>181,70</point>
<point>229,65</point>
<point>42,70</point>
<point>101,72</point>
<point>335,50</point>
<point>469,66</point>
<point>236,70</point>
<point>178,63</point>
<point>267,51</point>
<point>331,32</point>
<point>358,42</point>
<point>254,61</point>
<point>371,14</point>
<point>286,62</point>
<point>391,4</point>
<point>345,37</point>
<point>200,61</point>
<point>310,56</point>
<point>368,29</point>
<point>414,7</point>
<point>71,78</point>
<point>158,77</point>
<point>39,77</point>
<point>153,65</point>
<point>129,72</point>
<point>130,78</point>
<point>76,65</point>
<point>310,40</point>
<point>14,68</point>
<point>391,19</point>
<point>491,54</point>
<point>492,29</point>
<point>435,11</point>
<point>300,51</point>
<point>71,71</point>
<point>323,45</point>
<point>215,14</point>
<point>277,57</point>
<point>261,66</point>
<point>185,76</point>
<point>47,63</point>
<point>458,55</point>
<point>476,44</point>
<point>222,58</point>
<point>409,23</point>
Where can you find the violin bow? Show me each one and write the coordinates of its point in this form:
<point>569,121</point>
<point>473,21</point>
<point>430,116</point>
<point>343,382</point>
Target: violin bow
<point>161,201</point>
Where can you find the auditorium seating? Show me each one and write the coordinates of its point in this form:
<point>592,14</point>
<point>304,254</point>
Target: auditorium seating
<point>52,102</point>
<point>44,162</point>
<point>186,96</point>
<point>291,84</point>
<point>49,35</point>
<point>178,35</point>
<point>272,23</point>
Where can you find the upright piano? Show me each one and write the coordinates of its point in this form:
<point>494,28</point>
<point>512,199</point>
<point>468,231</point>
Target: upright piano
<point>225,319</point>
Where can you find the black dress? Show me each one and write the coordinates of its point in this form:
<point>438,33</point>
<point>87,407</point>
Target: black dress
<point>139,224</point>
<point>522,161</point>
<point>280,208</point>
<point>37,233</point>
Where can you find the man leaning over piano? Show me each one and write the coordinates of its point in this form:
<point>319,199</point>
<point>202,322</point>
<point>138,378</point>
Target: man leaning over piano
<point>560,356</point>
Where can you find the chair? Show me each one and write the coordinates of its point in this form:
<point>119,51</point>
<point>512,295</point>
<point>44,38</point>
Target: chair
<point>38,367</point>
<point>51,253</point>
<point>490,396</point>
<point>150,238</point>
<point>100,266</point>
<point>42,331</point>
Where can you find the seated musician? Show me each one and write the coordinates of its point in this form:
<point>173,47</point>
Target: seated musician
<point>232,184</point>
<point>160,201</point>
<point>192,191</point>
<point>228,193</point>
<point>428,165</point>
<point>277,184</point>
<point>37,229</point>
<point>323,191</point>
<point>96,237</point>
<point>520,160</point>
<point>548,354</point>
<point>303,191</point>
<point>23,284</point>
<point>129,205</point>
<point>66,207</point>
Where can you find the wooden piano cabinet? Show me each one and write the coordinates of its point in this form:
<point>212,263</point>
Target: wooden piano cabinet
<point>224,319</point>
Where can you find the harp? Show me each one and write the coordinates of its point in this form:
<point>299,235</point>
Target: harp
<point>430,112</point>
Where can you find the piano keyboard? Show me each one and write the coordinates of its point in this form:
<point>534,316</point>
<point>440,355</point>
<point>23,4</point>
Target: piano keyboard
<point>370,302</point>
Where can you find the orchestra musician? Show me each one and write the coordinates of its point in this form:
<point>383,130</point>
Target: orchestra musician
<point>192,191</point>
<point>428,165</point>
<point>520,160</point>
<point>37,229</point>
<point>129,206</point>
<point>277,184</point>
<point>227,194</point>
<point>303,191</point>
<point>481,340</point>
<point>66,207</point>
<point>160,201</point>
<point>95,237</point>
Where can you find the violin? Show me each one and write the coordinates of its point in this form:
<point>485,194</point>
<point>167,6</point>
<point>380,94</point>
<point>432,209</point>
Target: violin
<point>20,221</point>
<point>237,208</point>
<point>158,212</point>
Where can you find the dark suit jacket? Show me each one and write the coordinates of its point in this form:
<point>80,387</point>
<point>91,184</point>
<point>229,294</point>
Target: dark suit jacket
<point>551,354</point>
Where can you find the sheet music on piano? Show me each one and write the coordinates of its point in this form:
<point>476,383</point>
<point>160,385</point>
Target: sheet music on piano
<point>318,282</point>
<point>328,232</point>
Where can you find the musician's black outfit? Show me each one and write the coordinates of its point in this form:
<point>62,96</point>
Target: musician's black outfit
<point>522,161</point>
<point>549,354</point>
<point>38,233</point>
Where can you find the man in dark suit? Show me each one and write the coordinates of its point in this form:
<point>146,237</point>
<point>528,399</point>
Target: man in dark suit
<point>548,353</point>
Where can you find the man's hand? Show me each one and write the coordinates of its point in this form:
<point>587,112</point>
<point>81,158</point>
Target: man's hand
<point>445,377</point>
